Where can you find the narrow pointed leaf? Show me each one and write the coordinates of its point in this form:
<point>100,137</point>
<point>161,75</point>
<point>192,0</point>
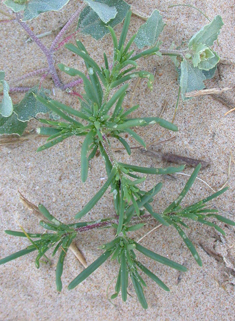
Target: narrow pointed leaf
<point>185,190</point>
<point>219,229</point>
<point>84,160</point>
<point>139,292</point>
<point>54,142</point>
<point>124,277</point>
<point>125,144</point>
<point>157,216</point>
<point>153,276</point>
<point>189,244</point>
<point>60,265</point>
<point>153,170</point>
<point>97,196</point>
<point>89,270</point>
<point>16,255</point>
<point>160,259</point>
<point>21,234</point>
<point>136,137</point>
<point>222,219</point>
<point>114,98</point>
<point>124,30</point>
<point>121,212</point>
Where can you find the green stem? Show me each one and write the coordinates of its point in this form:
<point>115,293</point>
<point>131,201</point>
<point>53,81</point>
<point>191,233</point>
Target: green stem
<point>169,52</point>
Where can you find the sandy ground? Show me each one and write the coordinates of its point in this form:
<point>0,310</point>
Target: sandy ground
<point>52,177</point>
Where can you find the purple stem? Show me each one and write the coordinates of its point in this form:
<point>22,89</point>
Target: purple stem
<point>65,28</point>
<point>65,41</point>
<point>73,83</point>
<point>32,74</point>
<point>47,53</point>
<point>93,226</point>
<point>7,20</point>
<point>102,224</point>
<point>19,89</point>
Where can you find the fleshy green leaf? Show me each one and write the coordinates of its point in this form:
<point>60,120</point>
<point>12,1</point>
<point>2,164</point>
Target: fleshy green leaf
<point>185,190</point>
<point>160,259</point>
<point>139,292</point>
<point>11,125</point>
<point>153,170</point>
<point>90,269</point>
<point>208,34</point>
<point>30,107</point>
<point>60,265</point>
<point>105,12</point>
<point>124,276</point>
<point>152,276</point>
<point>222,219</point>
<point>47,215</point>
<point>84,160</point>
<point>21,234</point>
<point>16,255</point>
<point>149,32</point>
<point>189,244</point>
<point>125,27</point>
<point>97,196</point>
<point>90,23</point>
<point>136,137</point>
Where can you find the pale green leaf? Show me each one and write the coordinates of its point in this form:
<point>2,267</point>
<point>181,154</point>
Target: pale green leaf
<point>16,7</point>
<point>30,107</point>
<point>190,78</point>
<point>149,32</point>
<point>105,12</point>
<point>6,106</point>
<point>35,7</point>
<point>209,63</point>
<point>208,34</point>
<point>11,125</point>
<point>2,75</point>
<point>90,23</point>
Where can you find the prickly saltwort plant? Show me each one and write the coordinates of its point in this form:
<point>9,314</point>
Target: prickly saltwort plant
<point>99,118</point>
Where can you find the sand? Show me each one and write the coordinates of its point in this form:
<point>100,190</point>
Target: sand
<point>53,178</point>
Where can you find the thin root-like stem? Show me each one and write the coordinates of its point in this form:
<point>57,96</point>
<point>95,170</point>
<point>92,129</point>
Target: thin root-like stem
<point>155,228</point>
<point>179,173</point>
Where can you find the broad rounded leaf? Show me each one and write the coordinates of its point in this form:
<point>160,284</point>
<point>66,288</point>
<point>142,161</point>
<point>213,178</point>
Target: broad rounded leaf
<point>11,125</point>
<point>208,34</point>
<point>30,107</point>
<point>90,23</point>
<point>16,7</point>
<point>105,12</point>
<point>34,7</point>
<point>190,78</point>
<point>149,32</point>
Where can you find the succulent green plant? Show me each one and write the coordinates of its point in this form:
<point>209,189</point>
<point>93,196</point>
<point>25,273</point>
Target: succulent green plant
<point>102,116</point>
